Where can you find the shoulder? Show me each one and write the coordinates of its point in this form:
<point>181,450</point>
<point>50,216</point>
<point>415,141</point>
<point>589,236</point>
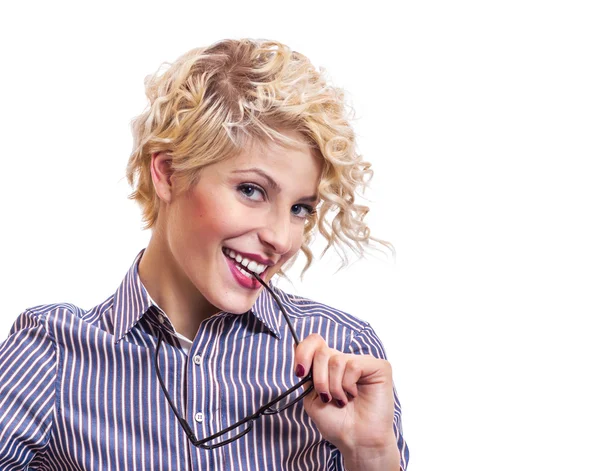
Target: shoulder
<point>301,307</point>
<point>44,315</point>
<point>34,344</point>
<point>340,329</point>
<point>28,375</point>
<point>44,311</point>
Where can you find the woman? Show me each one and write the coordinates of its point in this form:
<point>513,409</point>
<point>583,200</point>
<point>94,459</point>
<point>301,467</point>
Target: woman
<point>243,153</point>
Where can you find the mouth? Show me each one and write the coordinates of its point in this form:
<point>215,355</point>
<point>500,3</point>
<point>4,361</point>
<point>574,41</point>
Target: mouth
<point>244,265</point>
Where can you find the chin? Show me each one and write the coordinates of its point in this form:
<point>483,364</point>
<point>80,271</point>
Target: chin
<point>236,306</point>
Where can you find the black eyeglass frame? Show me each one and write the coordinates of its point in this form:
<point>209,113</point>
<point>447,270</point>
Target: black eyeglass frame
<point>267,409</point>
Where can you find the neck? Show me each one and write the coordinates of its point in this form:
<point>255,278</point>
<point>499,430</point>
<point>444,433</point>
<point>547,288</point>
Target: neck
<point>171,289</point>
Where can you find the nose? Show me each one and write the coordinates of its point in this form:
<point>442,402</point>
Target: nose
<point>276,233</point>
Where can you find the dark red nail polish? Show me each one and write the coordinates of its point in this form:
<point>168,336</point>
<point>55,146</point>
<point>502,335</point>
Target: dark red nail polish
<point>340,403</point>
<point>300,371</point>
<point>325,397</point>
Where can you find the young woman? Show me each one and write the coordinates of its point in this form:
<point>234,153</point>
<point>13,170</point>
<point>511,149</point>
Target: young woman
<point>198,361</point>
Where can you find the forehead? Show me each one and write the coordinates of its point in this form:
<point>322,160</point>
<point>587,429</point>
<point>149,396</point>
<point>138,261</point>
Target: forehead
<point>293,164</point>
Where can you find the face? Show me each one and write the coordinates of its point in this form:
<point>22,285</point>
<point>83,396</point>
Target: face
<point>245,213</point>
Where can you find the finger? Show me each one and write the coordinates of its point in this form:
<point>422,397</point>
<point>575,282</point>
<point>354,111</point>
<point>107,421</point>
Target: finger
<point>304,353</point>
<point>352,374</point>
<point>337,367</point>
<point>313,354</point>
<point>365,370</point>
<point>320,373</point>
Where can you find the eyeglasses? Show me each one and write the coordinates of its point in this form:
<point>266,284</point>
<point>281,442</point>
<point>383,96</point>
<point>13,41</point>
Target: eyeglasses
<point>234,432</point>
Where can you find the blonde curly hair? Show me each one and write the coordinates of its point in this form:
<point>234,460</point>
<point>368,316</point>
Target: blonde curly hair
<point>207,104</point>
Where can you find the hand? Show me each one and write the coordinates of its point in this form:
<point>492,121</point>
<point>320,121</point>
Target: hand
<point>352,403</point>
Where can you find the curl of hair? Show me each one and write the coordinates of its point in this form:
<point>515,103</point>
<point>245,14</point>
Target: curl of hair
<point>206,105</point>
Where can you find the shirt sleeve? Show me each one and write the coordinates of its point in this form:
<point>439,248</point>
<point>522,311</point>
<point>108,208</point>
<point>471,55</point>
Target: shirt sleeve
<point>27,394</point>
<point>366,342</point>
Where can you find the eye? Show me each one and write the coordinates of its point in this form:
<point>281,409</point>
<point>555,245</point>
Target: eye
<point>251,192</point>
<point>302,210</point>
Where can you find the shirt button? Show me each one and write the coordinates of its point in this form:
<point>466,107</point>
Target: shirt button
<point>199,417</point>
<point>197,359</point>
<point>161,318</point>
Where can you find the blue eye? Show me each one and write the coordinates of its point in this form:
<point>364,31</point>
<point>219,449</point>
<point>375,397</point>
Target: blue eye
<point>252,192</point>
<point>302,210</point>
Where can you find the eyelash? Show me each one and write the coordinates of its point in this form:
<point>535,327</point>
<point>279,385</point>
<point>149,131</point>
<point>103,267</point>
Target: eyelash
<point>245,186</point>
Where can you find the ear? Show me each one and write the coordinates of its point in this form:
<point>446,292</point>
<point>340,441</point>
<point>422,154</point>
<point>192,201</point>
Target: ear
<point>161,171</point>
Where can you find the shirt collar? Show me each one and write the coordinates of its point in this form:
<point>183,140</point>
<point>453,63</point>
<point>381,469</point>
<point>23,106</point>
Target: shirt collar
<point>265,309</point>
<point>132,301</point>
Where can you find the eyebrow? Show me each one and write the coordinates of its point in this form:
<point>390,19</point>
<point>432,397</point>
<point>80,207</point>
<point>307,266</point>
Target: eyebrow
<point>273,184</point>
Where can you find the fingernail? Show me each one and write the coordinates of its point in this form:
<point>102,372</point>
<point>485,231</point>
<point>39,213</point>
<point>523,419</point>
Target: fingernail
<point>350,396</point>
<point>300,371</point>
<point>325,397</point>
<point>340,403</point>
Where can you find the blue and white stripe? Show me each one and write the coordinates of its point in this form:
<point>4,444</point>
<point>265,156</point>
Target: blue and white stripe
<point>79,391</point>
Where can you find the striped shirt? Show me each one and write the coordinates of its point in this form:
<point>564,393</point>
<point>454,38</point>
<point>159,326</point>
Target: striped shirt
<point>79,390</point>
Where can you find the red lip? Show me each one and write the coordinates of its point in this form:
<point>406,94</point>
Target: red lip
<point>244,281</point>
<point>256,258</point>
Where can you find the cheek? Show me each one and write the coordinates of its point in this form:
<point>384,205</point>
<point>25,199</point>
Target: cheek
<point>208,227</point>
<point>206,216</point>
<point>297,240</point>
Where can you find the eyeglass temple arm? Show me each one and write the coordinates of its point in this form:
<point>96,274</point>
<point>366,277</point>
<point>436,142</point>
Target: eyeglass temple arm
<point>186,428</point>
<point>189,432</point>
<point>285,316</point>
<point>276,298</point>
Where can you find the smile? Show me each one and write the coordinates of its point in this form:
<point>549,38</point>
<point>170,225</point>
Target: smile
<point>246,263</point>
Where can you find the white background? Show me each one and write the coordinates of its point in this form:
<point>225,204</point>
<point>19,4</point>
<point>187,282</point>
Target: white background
<point>481,120</point>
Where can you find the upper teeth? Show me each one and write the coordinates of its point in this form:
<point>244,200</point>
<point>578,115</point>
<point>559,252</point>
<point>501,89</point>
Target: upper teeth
<point>251,265</point>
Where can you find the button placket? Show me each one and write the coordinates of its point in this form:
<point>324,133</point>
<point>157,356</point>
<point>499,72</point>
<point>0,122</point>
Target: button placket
<point>196,371</point>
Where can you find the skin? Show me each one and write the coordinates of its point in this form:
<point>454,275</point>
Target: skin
<point>185,271</point>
